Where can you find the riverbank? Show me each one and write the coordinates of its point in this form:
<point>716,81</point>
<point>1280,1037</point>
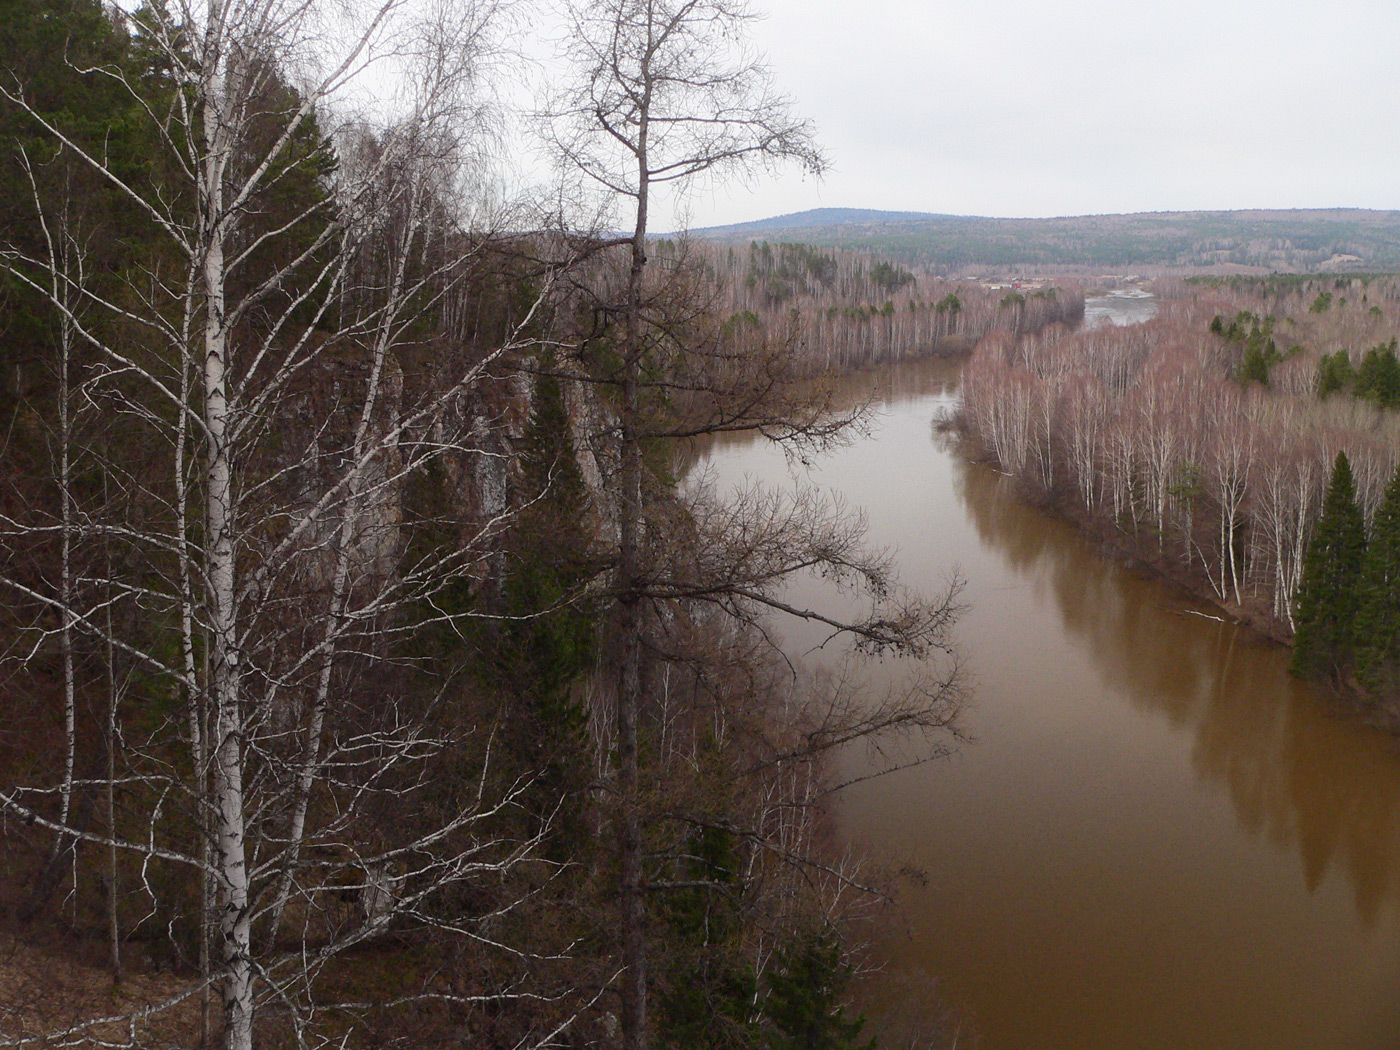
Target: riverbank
<point>1126,550</point>
<point>1146,809</point>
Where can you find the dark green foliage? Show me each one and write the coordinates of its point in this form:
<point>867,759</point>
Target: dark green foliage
<point>41,43</point>
<point>708,999</point>
<point>949,304</point>
<point>1260,355</point>
<point>295,196</point>
<point>1376,379</point>
<point>1334,373</point>
<point>786,270</point>
<point>1327,595</point>
<point>1244,324</point>
<point>708,1005</point>
<point>551,556</point>
<point>1321,304</point>
<point>535,656</point>
<point>1378,615</point>
<point>743,321</point>
<point>804,1000</point>
<point>525,642</point>
<point>1254,335</point>
<point>1378,376</point>
<point>890,276</point>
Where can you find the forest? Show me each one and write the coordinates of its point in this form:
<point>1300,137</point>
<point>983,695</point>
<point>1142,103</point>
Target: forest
<point>374,669</point>
<point>371,674</point>
<point>839,310</point>
<point>1254,241</point>
<point>1245,442</point>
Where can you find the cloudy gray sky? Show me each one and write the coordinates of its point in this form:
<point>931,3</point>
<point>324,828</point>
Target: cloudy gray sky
<point>1067,107</point>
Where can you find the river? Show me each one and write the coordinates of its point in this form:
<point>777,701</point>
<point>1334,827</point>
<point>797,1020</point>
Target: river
<point>1154,838</point>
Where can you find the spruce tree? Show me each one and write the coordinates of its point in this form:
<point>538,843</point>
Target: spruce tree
<point>804,1006</point>
<point>549,638</point>
<point>1327,597</point>
<point>546,641</point>
<point>1378,617</point>
<point>708,986</point>
<point>1334,373</point>
<point>1378,378</point>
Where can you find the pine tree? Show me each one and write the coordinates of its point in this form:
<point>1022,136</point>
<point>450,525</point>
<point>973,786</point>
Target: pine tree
<point>1327,596</point>
<point>1378,377</point>
<point>804,1001</point>
<point>707,994</point>
<point>1334,373</point>
<point>549,641</point>
<point>1378,617</point>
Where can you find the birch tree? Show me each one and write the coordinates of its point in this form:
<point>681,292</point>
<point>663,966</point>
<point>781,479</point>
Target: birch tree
<point>287,351</point>
<point>664,94</point>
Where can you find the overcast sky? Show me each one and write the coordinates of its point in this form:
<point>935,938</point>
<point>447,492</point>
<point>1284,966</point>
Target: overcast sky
<point>1071,107</point>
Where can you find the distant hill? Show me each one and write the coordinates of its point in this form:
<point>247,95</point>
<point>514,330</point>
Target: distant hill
<point>1341,239</point>
<point>818,218</point>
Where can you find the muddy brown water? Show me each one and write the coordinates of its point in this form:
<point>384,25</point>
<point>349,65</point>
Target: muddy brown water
<point>1155,839</point>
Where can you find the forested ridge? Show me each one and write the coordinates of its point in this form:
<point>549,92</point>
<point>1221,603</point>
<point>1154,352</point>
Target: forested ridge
<point>1246,441</point>
<point>1303,240</point>
<point>369,677</point>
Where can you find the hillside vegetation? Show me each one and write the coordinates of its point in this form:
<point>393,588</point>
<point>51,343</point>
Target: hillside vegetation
<point>369,677</point>
<point>1297,240</point>
<point>839,309</point>
<point>1227,442</point>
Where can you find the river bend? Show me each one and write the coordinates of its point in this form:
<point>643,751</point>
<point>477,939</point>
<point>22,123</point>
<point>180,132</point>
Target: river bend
<point>1155,838</point>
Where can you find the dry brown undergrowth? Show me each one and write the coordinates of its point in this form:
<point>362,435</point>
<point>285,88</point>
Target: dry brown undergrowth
<point>44,992</point>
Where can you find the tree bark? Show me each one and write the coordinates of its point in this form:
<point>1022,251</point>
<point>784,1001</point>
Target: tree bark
<point>629,693</point>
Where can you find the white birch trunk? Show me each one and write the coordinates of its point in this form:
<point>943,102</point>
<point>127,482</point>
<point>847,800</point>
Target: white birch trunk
<point>229,831</point>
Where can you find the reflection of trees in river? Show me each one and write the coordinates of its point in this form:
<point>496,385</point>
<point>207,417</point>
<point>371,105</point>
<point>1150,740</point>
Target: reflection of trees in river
<point>888,385</point>
<point>1322,785</point>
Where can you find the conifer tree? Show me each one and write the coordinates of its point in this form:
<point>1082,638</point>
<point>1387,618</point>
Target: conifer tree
<point>1378,377</point>
<point>1327,595</point>
<point>804,1001</point>
<point>536,654</point>
<point>1378,618</point>
<point>1334,373</point>
<point>549,632</point>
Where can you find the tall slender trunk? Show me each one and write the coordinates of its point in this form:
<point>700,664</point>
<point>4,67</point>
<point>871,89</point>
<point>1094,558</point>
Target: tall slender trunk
<point>60,272</point>
<point>70,706</point>
<point>629,693</point>
<point>114,930</point>
<point>114,945</point>
<point>196,684</point>
<point>227,744</point>
<point>340,587</point>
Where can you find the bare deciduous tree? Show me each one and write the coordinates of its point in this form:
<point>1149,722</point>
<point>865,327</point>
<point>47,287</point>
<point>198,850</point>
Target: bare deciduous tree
<point>664,94</point>
<point>288,353</point>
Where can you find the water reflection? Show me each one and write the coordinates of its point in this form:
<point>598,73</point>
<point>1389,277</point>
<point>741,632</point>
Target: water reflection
<point>1297,775</point>
<point>1159,840</point>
